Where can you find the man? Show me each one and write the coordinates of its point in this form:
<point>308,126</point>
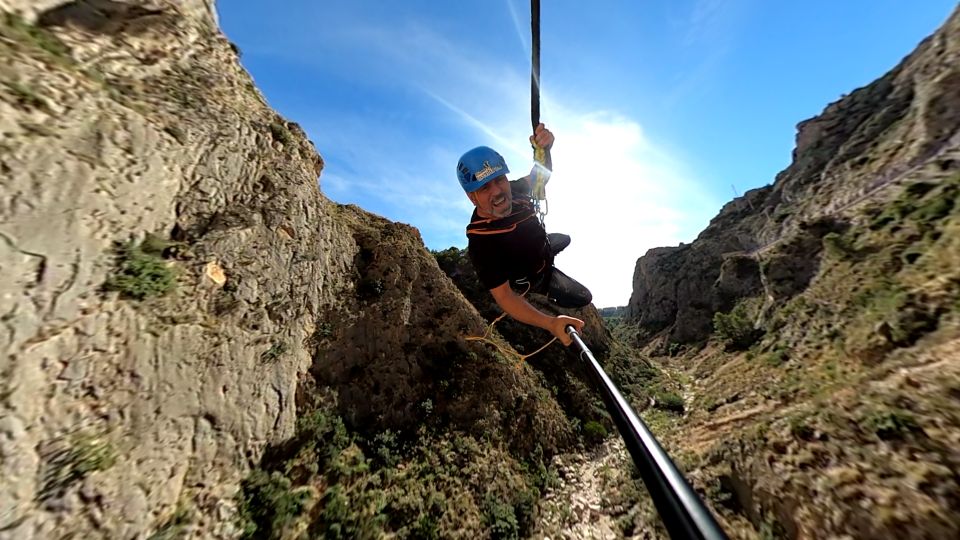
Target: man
<point>508,245</point>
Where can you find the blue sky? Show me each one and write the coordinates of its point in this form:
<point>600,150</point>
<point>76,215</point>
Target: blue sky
<point>662,109</point>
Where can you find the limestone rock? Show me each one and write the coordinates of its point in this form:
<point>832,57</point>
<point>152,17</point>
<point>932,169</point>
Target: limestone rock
<point>129,119</point>
<point>859,146</point>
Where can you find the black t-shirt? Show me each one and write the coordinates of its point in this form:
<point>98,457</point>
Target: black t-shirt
<point>521,251</point>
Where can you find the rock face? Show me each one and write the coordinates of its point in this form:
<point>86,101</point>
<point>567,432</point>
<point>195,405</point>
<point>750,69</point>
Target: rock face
<point>133,120</point>
<point>823,402</point>
<point>857,148</point>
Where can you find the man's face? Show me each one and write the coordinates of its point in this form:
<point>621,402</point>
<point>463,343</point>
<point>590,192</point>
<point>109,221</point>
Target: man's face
<point>493,200</point>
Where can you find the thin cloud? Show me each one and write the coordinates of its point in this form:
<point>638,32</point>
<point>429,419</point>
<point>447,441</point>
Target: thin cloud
<point>521,33</point>
<point>708,36</point>
<point>472,121</point>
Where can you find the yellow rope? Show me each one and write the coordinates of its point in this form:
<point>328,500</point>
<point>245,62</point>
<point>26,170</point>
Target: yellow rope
<point>538,184</point>
<point>539,188</point>
<point>488,338</point>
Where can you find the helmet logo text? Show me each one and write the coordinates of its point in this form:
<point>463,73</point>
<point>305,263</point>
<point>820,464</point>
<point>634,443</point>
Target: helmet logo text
<point>487,170</point>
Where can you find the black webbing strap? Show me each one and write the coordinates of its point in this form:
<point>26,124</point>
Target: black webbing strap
<point>535,63</point>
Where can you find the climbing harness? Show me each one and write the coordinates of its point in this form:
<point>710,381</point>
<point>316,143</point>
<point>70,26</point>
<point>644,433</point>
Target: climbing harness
<point>523,210</point>
<point>540,173</point>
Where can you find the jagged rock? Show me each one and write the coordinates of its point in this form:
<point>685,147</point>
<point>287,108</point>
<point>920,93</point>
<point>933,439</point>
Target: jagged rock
<point>135,118</point>
<point>739,278</point>
<point>849,153</point>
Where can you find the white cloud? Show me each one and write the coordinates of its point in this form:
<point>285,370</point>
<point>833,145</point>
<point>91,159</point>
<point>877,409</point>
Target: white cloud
<point>617,195</point>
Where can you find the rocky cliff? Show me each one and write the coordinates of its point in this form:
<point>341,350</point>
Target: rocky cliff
<point>815,324</point>
<point>859,149</point>
<point>181,305</point>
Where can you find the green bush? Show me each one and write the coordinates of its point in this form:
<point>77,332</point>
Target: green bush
<point>425,528</point>
<point>268,505</point>
<point>387,448</point>
<point>892,424</point>
<point>669,401</point>
<point>449,258</point>
<point>351,512</point>
<point>280,133</point>
<point>799,428</point>
<point>594,432</point>
<point>837,246</point>
<point>777,357</point>
<point>83,454</point>
<point>322,435</point>
<point>501,520</point>
<point>274,352</point>
<point>17,28</point>
<point>140,275</point>
<point>736,329</point>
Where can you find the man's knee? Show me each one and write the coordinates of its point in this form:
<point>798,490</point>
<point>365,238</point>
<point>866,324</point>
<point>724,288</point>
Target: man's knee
<point>567,292</point>
<point>579,297</point>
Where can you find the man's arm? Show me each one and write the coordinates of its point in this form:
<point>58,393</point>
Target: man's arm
<point>521,310</point>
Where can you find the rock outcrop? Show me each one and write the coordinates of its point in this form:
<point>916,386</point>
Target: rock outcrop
<point>855,151</point>
<point>138,157</point>
<point>821,402</point>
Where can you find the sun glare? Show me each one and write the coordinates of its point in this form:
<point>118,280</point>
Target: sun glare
<point>617,196</point>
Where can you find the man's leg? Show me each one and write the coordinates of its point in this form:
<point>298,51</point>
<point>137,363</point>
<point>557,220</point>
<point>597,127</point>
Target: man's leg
<point>557,242</point>
<point>567,292</point>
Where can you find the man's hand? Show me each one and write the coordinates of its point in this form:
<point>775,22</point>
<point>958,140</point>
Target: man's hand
<point>542,137</point>
<point>558,327</point>
<point>521,310</point>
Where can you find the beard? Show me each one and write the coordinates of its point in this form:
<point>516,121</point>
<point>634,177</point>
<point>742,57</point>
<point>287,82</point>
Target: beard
<point>501,206</point>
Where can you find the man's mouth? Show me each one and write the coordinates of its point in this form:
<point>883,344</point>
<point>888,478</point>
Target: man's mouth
<point>499,201</point>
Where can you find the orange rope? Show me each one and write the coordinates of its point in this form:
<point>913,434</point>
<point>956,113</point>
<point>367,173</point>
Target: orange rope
<point>487,337</point>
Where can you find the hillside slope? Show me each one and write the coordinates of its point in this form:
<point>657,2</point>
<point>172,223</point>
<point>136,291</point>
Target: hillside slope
<point>815,324</point>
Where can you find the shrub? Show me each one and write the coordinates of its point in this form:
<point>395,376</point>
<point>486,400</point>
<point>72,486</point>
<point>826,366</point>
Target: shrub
<point>19,29</point>
<point>274,352</point>
<point>777,357</point>
<point>837,246</point>
<point>669,401</point>
<point>351,512</point>
<point>82,455</point>
<point>268,505</point>
<point>448,259</point>
<point>501,520</point>
<point>425,528</point>
<point>736,329</point>
<point>892,424</point>
<point>799,428</point>
<point>386,448</point>
<point>140,275</point>
<point>594,432</point>
<point>280,133</point>
<point>322,436</point>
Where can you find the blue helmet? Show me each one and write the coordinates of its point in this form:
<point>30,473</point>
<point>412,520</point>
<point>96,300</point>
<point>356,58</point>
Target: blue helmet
<point>479,166</point>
